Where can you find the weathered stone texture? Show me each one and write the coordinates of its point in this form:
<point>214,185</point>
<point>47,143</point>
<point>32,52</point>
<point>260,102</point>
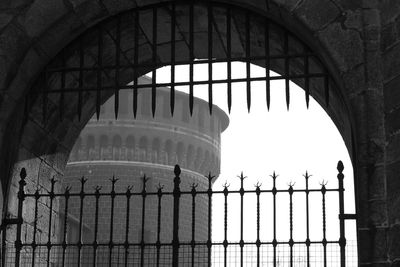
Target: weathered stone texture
<point>33,32</point>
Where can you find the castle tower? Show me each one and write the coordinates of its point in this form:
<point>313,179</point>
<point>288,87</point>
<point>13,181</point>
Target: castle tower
<point>127,149</point>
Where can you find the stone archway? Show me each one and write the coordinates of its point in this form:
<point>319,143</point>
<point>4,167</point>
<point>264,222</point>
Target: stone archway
<point>46,159</point>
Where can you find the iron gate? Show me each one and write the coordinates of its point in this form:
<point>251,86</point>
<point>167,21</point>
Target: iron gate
<point>59,248</point>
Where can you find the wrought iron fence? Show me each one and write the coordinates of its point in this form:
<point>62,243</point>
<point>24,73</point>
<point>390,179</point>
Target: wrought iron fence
<point>72,242</point>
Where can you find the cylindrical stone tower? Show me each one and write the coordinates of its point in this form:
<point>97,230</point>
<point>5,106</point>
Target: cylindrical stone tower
<point>127,149</point>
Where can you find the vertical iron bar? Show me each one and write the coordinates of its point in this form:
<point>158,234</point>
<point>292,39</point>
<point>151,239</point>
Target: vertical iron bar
<point>34,245</point>
<point>44,95</point>
<point>229,56</point>
<point>307,78</point>
<point>136,63</point>
<point>117,63</point>
<point>61,101</point>
<point>154,72</point>
<point>274,192</point>
<point>159,195</point>
<point>82,196</point>
<point>267,64</point>
<point>306,176</point>
<point>191,55</point>
<point>128,205</point>
<point>51,195</point>
<point>241,177</point>
<point>226,192</point>
<point>111,243</point>
<point>286,53</point>
<point>99,74</point>
<point>193,221</point>
<point>173,26</point>
<point>291,243</point>
<point>96,225</point>
<point>142,242</point>
<point>324,242</point>
<point>21,198</point>
<point>248,83</point>
<point>81,64</point>
<point>258,242</point>
<point>342,240</point>
<point>176,195</point>
<point>209,193</point>
<point>210,55</point>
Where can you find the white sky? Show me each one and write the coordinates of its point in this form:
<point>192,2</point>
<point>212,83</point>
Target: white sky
<point>262,141</point>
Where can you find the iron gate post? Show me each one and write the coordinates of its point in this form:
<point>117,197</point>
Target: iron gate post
<point>175,239</point>
<point>21,197</point>
<point>342,239</point>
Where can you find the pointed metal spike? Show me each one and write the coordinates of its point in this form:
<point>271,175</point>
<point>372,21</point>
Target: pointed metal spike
<point>135,99</point>
<point>248,98</point>
<point>116,103</point>
<point>229,98</point>
<point>173,26</point>
<point>210,98</point>
<point>153,100</point>
<point>229,55</point>
<point>172,100</point>
<point>268,93</point>
<point>287,93</point>
<point>191,101</point>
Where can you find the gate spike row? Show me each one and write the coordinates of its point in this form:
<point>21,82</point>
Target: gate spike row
<point>97,188</point>
<point>83,180</point>
<point>160,187</point>
<point>114,180</point>
<point>241,176</point>
<point>306,175</point>
<point>274,176</point>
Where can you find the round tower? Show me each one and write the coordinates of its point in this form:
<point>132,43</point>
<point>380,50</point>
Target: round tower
<point>130,149</point>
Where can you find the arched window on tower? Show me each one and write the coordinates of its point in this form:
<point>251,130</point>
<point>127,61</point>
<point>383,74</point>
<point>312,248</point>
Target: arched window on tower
<point>146,102</point>
<point>103,147</point>
<point>130,147</point>
<point>155,150</point>
<point>199,159</point>
<point>180,154</point>
<point>168,152</point>
<point>205,166</point>
<point>117,142</point>
<point>190,157</point>
<point>90,147</point>
<point>75,151</point>
<point>212,165</point>
<point>124,102</point>
<point>143,148</point>
<point>201,119</point>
